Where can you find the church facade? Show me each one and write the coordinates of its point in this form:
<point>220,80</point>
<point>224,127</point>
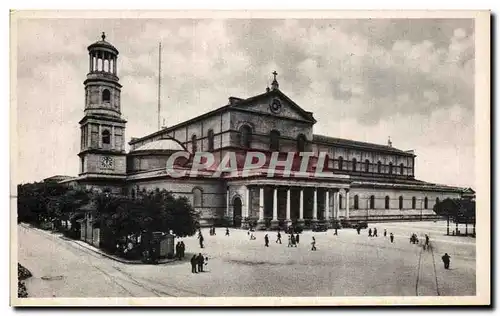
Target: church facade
<point>360,181</point>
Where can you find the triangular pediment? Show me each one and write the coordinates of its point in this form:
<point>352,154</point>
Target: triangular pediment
<point>274,103</point>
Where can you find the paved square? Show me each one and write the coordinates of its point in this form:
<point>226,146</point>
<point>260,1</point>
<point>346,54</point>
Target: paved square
<point>345,265</point>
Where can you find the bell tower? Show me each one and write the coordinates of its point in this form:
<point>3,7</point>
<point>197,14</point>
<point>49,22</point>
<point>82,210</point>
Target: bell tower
<point>102,151</point>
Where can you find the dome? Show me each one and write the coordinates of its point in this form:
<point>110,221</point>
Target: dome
<point>103,44</point>
<point>168,144</point>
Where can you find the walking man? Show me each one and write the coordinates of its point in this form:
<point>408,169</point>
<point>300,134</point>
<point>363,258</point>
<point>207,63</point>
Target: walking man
<point>178,250</point>
<point>375,232</point>
<point>297,238</point>
<point>313,244</point>
<point>227,231</point>
<point>392,238</point>
<point>279,237</point>
<point>289,240</point>
<point>201,240</point>
<point>200,261</point>
<point>194,261</point>
<point>385,232</point>
<point>183,249</point>
<point>426,246</point>
<point>369,232</point>
<point>358,229</point>
<point>446,261</point>
<point>266,240</point>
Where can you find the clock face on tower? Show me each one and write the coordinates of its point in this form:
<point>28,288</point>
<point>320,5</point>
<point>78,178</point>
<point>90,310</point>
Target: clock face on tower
<point>275,106</point>
<point>106,162</point>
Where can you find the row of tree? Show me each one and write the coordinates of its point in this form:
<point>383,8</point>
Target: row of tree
<point>460,211</point>
<point>44,203</point>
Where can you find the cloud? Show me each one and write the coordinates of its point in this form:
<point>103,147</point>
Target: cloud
<point>363,79</point>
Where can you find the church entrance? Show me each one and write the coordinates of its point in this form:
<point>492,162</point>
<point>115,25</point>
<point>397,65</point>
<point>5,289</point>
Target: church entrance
<point>237,212</point>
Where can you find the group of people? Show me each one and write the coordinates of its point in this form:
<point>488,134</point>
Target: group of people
<point>212,231</point>
<point>293,240</point>
<point>180,249</point>
<point>197,263</point>
<point>413,238</point>
<point>374,233</point>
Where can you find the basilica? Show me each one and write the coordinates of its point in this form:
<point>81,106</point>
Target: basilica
<point>364,182</point>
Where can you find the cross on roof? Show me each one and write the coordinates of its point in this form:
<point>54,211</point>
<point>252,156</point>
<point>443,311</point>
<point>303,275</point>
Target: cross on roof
<point>275,74</point>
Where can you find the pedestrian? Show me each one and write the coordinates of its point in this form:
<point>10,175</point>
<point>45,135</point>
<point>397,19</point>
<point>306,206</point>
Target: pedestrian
<point>313,244</point>
<point>183,249</point>
<point>385,232</point>
<point>227,231</point>
<point>297,239</point>
<point>369,232</point>
<point>427,240</point>
<point>201,240</point>
<point>178,250</point>
<point>252,237</point>
<point>194,261</point>
<point>289,240</point>
<point>375,232</point>
<point>358,229</point>
<point>266,240</point>
<point>446,261</point>
<point>200,261</point>
<point>214,231</point>
<point>392,238</point>
<point>278,237</point>
<point>294,242</point>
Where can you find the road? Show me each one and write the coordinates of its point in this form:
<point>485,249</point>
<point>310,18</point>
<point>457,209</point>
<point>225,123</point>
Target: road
<point>344,265</point>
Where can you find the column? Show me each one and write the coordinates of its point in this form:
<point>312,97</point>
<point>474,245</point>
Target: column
<point>113,137</point>
<point>336,205</point>
<point>315,205</point>
<point>288,217</point>
<point>275,204</point>
<point>261,204</point>
<point>327,205</point>
<point>247,202</point>
<point>347,204</point>
<point>100,137</point>
<point>91,60</point>
<point>227,202</point>
<point>301,207</point>
<point>114,65</point>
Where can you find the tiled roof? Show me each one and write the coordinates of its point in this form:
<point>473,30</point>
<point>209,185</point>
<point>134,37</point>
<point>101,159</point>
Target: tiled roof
<point>358,144</point>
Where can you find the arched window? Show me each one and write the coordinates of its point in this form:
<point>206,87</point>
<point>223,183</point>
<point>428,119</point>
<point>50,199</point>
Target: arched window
<point>340,201</point>
<point>210,136</point>
<point>341,163</point>
<point>367,165</point>
<point>106,137</point>
<point>194,143</point>
<point>274,143</point>
<point>400,202</point>
<point>106,95</point>
<point>414,203</point>
<point>356,202</point>
<point>372,202</point>
<point>387,202</point>
<point>426,203</point>
<point>245,136</point>
<point>401,169</point>
<point>390,168</point>
<point>354,164</point>
<point>379,167</point>
<point>301,143</point>
<point>197,197</point>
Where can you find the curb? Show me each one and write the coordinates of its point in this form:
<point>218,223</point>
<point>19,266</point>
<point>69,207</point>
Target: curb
<point>93,249</point>
<point>118,259</point>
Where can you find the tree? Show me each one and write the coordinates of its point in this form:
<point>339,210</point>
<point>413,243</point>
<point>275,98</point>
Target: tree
<point>447,208</point>
<point>460,210</point>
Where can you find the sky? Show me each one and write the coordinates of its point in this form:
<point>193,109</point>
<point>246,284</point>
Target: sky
<point>364,79</point>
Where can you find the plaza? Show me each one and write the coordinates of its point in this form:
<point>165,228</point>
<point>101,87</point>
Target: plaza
<point>345,265</point>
